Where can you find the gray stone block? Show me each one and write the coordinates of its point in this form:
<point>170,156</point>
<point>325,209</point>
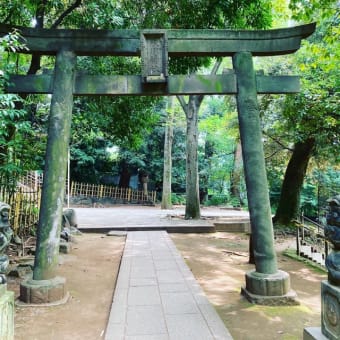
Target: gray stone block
<point>179,303</point>
<point>118,233</point>
<point>188,326</point>
<point>216,325</point>
<point>145,320</point>
<point>144,296</point>
<point>313,333</point>
<point>147,337</point>
<point>6,313</point>
<point>169,276</point>
<point>141,272</point>
<point>330,310</point>
<point>149,281</point>
<point>43,291</point>
<point>267,284</point>
<point>115,331</point>
<point>165,264</point>
<point>173,287</point>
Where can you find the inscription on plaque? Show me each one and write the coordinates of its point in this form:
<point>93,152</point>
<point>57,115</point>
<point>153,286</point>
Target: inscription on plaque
<point>154,54</point>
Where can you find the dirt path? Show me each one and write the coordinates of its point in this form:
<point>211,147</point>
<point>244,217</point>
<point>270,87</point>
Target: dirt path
<point>218,261</point>
<point>90,272</point>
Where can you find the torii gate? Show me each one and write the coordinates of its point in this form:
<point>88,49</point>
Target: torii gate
<point>264,284</point>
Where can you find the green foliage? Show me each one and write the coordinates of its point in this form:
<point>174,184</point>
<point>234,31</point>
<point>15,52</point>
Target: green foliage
<point>219,131</point>
<point>216,199</point>
<point>207,14</point>
<point>307,10</point>
<point>177,199</point>
<point>99,14</point>
<point>319,186</point>
<point>315,111</point>
<point>312,114</point>
<point>14,126</point>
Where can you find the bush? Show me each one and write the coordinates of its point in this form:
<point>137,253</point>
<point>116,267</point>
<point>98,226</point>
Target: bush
<point>217,200</point>
<point>178,199</point>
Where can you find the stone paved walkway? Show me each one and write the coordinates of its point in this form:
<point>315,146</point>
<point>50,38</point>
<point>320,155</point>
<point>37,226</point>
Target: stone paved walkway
<point>128,217</point>
<point>157,297</point>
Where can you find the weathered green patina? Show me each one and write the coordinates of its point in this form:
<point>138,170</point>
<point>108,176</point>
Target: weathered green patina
<point>132,85</point>
<point>52,200</point>
<point>180,42</point>
<point>254,166</point>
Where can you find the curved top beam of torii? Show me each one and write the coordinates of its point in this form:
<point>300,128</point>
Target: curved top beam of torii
<point>181,42</point>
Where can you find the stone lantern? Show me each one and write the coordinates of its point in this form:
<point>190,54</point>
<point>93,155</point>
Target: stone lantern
<point>6,297</point>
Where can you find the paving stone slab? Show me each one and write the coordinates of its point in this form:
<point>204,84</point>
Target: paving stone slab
<point>145,320</point>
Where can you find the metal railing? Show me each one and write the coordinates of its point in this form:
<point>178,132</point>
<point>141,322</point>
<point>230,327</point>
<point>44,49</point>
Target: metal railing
<point>310,241</point>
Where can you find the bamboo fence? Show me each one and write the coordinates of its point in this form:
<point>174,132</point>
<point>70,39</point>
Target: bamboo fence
<point>115,194</point>
<point>24,199</point>
<point>25,203</point>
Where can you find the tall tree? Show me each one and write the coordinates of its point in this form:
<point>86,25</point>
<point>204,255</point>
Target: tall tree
<point>121,120</point>
<point>212,14</point>
<point>191,109</point>
<point>311,117</point>
<point>167,168</point>
<point>218,128</point>
<point>26,13</point>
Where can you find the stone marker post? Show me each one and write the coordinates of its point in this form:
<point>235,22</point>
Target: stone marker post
<point>46,286</point>
<point>6,297</point>
<point>330,289</point>
<point>266,283</point>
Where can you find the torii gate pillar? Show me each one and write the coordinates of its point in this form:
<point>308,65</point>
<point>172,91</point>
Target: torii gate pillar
<point>46,287</point>
<point>266,283</point>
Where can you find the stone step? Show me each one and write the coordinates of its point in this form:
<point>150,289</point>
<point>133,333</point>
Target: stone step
<point>232,225</point>
<point>306,251</point>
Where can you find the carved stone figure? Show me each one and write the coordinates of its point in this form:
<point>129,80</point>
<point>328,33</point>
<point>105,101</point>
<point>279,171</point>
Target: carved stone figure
<point>5,238</point>
<point>70,218</point>
<point>332,234</point>
<point>69,225</point>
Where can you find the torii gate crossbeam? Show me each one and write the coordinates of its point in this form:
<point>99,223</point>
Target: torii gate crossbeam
<point>266,283</point>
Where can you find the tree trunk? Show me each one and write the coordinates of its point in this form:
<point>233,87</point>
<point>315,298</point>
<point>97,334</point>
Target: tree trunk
<point>204,180</point>
<point>125,175</point>
<point>167,170</point>
<point>288,208</point>
<point>4,147</point>
<point>192,208</point>
<point>236,174</point>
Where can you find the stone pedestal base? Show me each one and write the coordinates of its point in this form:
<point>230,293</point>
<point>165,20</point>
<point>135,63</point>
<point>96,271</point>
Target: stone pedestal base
<point>43,291</point>
<point>6,313</point>
<point>269,289</point>
<point>330,310</point>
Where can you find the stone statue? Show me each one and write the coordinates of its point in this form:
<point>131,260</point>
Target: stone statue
<point>144,179</point>
<point>69,225</point>
<point>5,238</point>
<point>332,234</point>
